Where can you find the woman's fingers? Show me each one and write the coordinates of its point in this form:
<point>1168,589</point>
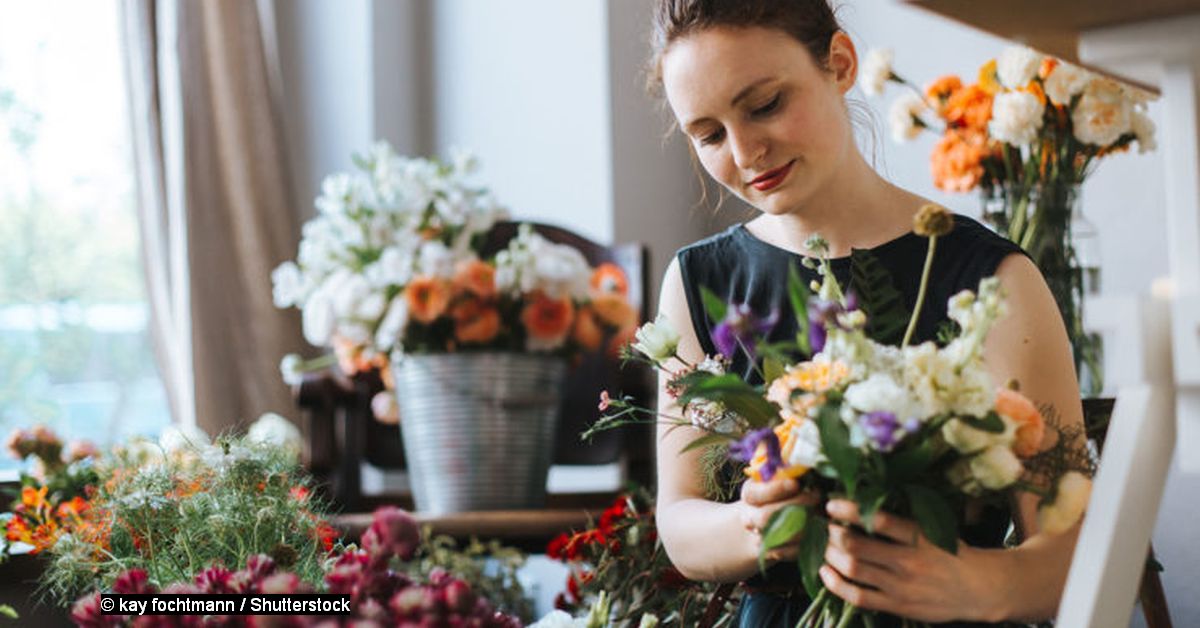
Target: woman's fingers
<point>762,493</point>
<point>858,570</point>
<point>899,529</point>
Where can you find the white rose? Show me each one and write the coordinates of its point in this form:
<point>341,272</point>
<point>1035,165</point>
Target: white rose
<point>968,440</point>
<point>272,429</point>
<point>562,270</point>
<point>1016,118</point>
<point>287,285</point>
<point>996,467</point>
<point>973,394</point>
<point>1064,82</point>
<point>904,117</point>
<point>875,71</point>
<point>1016,66</point>
<point>1074,491</point>
<point>658,340</point>
<point>1103,113</point>
<point>391,328</point>
<point>176,437</point>
<point>1143,127</point>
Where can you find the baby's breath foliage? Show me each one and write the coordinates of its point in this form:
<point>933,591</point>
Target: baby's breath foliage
<point>179,513</point>
<point>490,568</point>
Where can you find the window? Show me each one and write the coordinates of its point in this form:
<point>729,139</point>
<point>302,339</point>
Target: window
<point>75,352</point>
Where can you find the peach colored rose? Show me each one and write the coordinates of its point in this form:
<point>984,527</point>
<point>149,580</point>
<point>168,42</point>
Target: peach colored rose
<point>608,278</point>
<point>547,320</point>
<point>475,321</point>
<point>427,298</point>
<point>1031,428</point>
<point>587,332</point>
<point>476,277</point>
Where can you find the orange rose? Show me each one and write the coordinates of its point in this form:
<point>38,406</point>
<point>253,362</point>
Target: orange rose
<point>477,277</point>
<point>613,310</point>
<point>427,298</point>
<point>939,91</point>
<point>957,160</point>
<point>548,320</point>
<point>587,332</point>
<point>1031,428</point>
<point>608,278</point>
<point>475,321</point>
<point>969,107</point>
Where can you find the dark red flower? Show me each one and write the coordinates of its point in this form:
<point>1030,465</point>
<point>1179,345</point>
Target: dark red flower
<point>133,581</point>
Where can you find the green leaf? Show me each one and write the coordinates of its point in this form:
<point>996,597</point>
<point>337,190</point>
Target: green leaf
<point>772,369</point>
<point>905,464</point>
<point>990,423</point>
<point>835,442</point>
<point>782,527</point>
<point>934,515</point>
<point>798,294</point>
<point>878,298</point>
<point>870,499</point>
<point>738,396</point>
<point>9,611</point>
<point>713,305</point>
<point>705,441</point>
<point>812,554</point>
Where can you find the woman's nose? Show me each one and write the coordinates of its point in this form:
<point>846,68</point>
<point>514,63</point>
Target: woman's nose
<point>748,149</point>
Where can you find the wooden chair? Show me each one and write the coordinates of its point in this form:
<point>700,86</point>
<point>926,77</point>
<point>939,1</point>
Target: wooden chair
<point>342,432</point>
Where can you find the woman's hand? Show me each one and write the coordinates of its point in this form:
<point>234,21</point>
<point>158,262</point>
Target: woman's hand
<point>911,577</point>
<point>761,499</point>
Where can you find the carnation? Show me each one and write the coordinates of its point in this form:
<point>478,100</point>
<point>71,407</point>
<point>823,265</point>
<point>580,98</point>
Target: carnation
<point>876,70</point>
<point>1017,65</point>
<point>904,117</point>
<point>1065,82</point>
<point>1016,118</point>
<point>1103,113</point>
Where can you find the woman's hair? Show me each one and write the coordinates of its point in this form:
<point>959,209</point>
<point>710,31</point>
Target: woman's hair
<point>810,22</point>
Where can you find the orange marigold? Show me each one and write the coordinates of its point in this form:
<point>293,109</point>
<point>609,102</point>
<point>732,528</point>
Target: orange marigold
<point>476,277</point>
<point>427,298</point>
<point>608,278</point>
<point>957,160</point>
<point>475,321</point>
<point>969,107</point>
<point>548,320</point>
<point>939,91</point>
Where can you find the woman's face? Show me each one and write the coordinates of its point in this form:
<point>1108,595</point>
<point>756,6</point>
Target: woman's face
<point>764,119</point>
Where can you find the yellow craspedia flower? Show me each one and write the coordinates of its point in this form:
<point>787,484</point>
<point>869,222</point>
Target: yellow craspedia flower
<point>988,80</point>
<point>933,220</point>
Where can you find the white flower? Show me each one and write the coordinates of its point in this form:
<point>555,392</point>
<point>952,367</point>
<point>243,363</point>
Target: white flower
<point>318,319</point>
<point>1074,491</point>
<point>648,621</point>
<point>393,268</point>
<point>1143,127</point>
<point>436,260</point>
<point>1016,118</point>
<point>904,117</point>
<point>560,619</point>
<point>346,290</point>
<point>968,440</point>
<point>926,374</point>
<point>806,445</point>
<point>658,340</point>
<point>1016,66</point>
<point>1103,113</point>
<point>876,70</point>
<point>996,467</point>
<point>340,193</point>
<point>391,328</point>
<point>289,368</point>
<point>533,263</point>
<point>177,437</point>
<point>288,285</point>
<point>1064,82</point>
<point>879,392</point>
<point>272,429</point>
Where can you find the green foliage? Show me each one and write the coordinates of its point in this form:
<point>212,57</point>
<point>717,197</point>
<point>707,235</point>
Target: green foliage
<point>878,298</point>
<point>713,305</point>
<point>798,294</point>
<point>812,553</point>
<point>935,516</point>
<point>835,442</point>
<point>490,568</point>
<point>737,395</point>
<point>783,526</point>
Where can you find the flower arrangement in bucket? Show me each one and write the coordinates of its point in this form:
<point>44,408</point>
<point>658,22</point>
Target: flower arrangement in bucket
<point>1027,134</point>
<point>393,274</point>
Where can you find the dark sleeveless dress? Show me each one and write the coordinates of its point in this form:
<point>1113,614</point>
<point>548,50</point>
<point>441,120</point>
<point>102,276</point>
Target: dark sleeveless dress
<point>740,268</point>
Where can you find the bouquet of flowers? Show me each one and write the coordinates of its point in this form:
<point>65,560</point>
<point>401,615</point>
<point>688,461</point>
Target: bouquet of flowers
<point>1026,133</point>
<point>916,430</point>
<point>394,263</point>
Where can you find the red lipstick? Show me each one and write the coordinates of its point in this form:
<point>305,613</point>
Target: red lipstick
<point>772,178</point>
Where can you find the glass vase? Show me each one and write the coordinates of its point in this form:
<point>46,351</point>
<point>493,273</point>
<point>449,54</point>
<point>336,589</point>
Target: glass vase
<point>1046,220</point>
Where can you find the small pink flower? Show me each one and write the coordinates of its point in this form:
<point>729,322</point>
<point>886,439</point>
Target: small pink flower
<point>134,581</point>
<point>79,449</point>
<point>605,401</point>
<point>86,613</point>
<point>280,583</point>
<point>393,532</point>
<point>215,579</point>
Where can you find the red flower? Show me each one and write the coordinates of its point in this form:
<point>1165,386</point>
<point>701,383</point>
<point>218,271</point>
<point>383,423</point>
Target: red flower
<point>557,545</point>
<point>133,581</point>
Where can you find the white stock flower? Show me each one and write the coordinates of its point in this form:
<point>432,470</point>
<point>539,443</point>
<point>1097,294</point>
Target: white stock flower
<point>340,193</point>
<point>1017,65</point>
<point>435,260</point>
<point>346,292</point>
<point>1143,127</point>
<point>272,429</point>
<point>996,467</point>
<point>926,374</point>
<point>1016,118</point>
<point>287,285</point>
<point>1103,113</point>
<point>178,437</point>
<point>1074,491</point>
<point>880,392</point>
<point>904,117</point>
<point>875,71</point>
<point>318,319</point>
<point>1064,82</point>
<point>658,340</point>
<point>289,368</point>
<point>968,440</point>
<point>393,268</point>
<point>391,328</point>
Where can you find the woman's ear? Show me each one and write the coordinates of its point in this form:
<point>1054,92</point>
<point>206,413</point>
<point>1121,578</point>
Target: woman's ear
<point>843,61</point>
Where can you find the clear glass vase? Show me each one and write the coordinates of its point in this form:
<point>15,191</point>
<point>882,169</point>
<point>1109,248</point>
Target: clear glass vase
<point>1045,219</point>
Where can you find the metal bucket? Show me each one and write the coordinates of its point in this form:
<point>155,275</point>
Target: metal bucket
<point>478,428</point>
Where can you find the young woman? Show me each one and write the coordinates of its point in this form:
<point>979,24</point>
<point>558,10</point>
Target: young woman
<point>758,87</point>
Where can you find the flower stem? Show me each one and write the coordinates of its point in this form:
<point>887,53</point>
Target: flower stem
<point>849,612</point>
<point>912,322</point>
<point>814,608</point>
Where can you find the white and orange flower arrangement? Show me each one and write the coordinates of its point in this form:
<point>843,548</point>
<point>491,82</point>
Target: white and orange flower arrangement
<point>393,264</point>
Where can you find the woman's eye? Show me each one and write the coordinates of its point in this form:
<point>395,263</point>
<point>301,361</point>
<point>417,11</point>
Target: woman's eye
<point>772,105</point>
<point>712,138</point>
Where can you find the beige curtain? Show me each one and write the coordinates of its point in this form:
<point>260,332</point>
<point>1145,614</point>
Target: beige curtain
<point>215,203</point>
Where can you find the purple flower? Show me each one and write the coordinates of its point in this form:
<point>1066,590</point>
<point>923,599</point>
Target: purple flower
<point>822,314</point>
<point>741,329</point>
<point>882,428</point>
<point>744,450</point>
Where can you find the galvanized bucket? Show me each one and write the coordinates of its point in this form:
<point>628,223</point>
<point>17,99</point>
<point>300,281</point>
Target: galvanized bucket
<point>478,428</point>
